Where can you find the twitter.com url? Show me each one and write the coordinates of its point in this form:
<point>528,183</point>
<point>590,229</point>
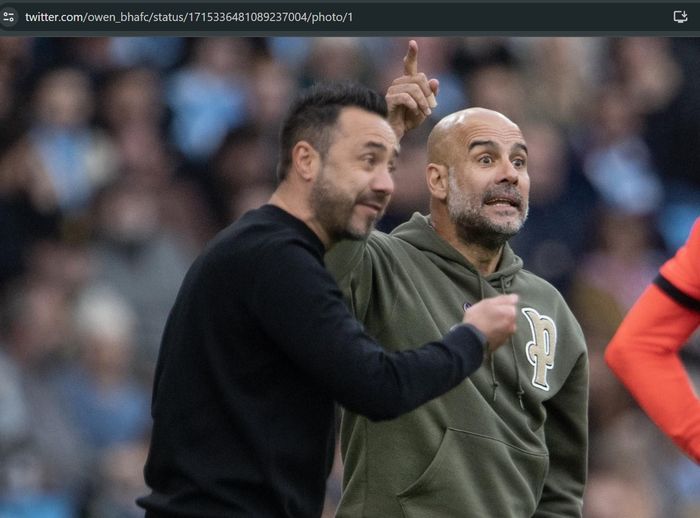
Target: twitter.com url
<point>193,17</point>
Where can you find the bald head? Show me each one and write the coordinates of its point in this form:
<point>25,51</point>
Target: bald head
<point>455,132</point>
<point>478,180</point>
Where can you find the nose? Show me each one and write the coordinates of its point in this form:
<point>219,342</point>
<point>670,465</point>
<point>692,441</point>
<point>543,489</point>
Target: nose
<point>509,173</point>
<point>383,182</point>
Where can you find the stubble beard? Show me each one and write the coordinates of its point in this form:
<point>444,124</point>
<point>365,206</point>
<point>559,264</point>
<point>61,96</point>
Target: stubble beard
<point>334,211</point>
<point>472,226</point>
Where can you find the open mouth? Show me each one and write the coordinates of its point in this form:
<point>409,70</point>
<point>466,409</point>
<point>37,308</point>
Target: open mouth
<point>509,201</point>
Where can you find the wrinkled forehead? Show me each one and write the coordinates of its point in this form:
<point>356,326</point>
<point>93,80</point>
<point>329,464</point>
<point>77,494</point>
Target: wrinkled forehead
<point>454,136</point>
<point>487,127</point>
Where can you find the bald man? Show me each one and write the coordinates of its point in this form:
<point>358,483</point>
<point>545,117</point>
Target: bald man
<point>511,440</point>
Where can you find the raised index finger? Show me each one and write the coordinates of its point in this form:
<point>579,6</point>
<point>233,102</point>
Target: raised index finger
<point>410,61</point>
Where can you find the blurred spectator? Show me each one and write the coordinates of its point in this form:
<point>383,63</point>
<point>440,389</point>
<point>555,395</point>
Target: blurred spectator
<point>647,71</point>
<point>132,99</point>
<point>102,399</point>
<point>62,160</point>
<point>673,126</point>
<point>493,79</point>
<point>608,280</point>
<point>133,110</point>
<point>612,276</point>
<point>272,86</point>
<point>209,95</point>
<point>241,166</point>
<point>140,259</point>
<point>622,468</point>
<point>618,162</point>
<point>560,78</point>
<point>62,264</point>
<point>49,176</point>
<point>43,464</point>
<point>498,86</point>
<point>336,59</point>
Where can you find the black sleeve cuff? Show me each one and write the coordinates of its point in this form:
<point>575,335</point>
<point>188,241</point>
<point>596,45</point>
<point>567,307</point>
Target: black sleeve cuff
<point>683,299</point>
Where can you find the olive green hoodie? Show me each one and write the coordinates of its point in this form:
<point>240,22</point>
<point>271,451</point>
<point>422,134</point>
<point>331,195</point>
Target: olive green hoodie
<point>511,440</point>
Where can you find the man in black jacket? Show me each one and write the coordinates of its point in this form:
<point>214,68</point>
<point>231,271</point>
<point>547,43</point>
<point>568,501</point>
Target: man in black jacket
<point>259,343</point>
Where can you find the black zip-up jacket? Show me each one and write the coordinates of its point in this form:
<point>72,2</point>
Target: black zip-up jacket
<point>257,348</point>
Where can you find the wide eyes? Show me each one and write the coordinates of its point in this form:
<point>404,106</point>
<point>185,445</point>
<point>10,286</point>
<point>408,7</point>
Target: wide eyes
<point>518,162</point>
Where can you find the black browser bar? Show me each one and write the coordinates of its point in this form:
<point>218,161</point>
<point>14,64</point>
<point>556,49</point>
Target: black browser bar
<point>338,18</point>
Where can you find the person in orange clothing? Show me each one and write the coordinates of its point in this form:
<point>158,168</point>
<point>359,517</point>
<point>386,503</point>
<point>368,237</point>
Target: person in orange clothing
<point>644,351</point>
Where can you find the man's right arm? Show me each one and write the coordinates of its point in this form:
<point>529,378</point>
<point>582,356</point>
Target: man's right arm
<point>304,313</point>
<point>644,356</point>
<point>644,353</point>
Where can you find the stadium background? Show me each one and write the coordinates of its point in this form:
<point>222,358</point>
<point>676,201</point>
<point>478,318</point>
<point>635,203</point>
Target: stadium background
<point>121,157</point>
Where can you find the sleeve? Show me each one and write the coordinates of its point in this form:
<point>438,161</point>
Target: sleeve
<point>680,276</point>
<point>304,314</point>
<point>351,266</point>
<point>643,354</point>
<point>566,434</point>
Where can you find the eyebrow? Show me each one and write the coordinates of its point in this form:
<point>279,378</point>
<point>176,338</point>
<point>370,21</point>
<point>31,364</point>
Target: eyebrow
<point>492,144</point>
<point>519,145</point>
<point>485,143</point>
<point>381,147</point>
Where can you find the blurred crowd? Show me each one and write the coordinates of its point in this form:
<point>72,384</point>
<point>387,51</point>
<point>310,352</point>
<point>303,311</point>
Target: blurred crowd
<point>121,157</point>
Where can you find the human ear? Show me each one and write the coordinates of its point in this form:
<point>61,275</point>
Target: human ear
<point>436,176</point>
<point>305,160</point>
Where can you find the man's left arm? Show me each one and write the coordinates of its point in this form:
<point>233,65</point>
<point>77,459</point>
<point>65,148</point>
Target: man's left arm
<point>566,430</point>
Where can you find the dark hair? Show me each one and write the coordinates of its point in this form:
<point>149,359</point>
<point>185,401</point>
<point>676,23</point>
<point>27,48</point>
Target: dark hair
<point>315,111</point>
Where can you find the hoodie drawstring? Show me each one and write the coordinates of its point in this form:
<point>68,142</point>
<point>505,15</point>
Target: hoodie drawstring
<point>520,392</point>
<point>494,381</point>
<point>492,361</point>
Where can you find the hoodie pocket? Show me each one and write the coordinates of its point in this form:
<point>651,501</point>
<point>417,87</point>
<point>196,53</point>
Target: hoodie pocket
<point>479,476</point>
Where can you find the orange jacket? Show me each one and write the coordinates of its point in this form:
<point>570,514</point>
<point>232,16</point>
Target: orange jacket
<point>644,351</point>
